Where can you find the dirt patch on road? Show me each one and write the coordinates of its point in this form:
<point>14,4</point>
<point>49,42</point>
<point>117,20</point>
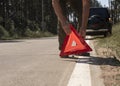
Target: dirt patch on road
<point>111,70</point>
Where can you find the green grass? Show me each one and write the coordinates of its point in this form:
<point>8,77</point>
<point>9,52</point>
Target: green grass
<point>112,42</point>
<point>30,34</point>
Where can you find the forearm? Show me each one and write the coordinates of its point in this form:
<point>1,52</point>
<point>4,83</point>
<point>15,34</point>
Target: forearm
<point>61,17</point>
<point>58,11</point>
<point>85,13</point>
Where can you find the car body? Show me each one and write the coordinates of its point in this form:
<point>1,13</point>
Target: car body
<point>99,22</point>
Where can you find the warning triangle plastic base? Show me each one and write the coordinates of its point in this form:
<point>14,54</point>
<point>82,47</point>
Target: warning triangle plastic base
<point>74,44</point>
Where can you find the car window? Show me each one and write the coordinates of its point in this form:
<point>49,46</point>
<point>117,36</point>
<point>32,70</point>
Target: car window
<point>103,12</point>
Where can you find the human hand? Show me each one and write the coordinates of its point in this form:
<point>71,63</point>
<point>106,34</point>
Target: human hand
<point>66,28</point>
<point>82,32</point>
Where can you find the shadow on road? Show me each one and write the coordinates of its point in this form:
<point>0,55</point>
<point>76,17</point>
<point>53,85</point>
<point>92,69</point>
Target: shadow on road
<point>99,61</point>
<point>95,60</point>
<point>9,41</point>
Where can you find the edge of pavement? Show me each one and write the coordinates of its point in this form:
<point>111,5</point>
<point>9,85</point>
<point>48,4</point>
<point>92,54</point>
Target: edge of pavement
<point>85,74</point>
<point>96,71</point>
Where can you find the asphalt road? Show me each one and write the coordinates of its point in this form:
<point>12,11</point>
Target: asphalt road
<point>33,62</point>
<point>36,62</point>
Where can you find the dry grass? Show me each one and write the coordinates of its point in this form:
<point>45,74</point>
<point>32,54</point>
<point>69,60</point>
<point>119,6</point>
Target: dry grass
<point>112,43</point>
<point>109,47</point>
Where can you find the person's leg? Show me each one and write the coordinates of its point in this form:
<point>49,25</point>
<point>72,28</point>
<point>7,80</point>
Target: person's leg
<point>80,22</point>
<point>61,35</point>
<point>77,8</point>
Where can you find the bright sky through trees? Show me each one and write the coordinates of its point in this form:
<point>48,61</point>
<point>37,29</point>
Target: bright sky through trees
<point>104,2</point>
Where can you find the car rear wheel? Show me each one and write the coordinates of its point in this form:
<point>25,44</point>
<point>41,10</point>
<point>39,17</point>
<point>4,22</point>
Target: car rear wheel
<point>106,34</point>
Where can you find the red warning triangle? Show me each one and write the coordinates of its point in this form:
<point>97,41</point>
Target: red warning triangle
<point>74,44</point>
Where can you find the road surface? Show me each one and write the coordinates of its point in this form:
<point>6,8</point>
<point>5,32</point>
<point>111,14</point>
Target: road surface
<point>35,62</point>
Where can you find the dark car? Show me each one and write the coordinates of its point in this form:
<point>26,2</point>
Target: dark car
<point>99,22</point>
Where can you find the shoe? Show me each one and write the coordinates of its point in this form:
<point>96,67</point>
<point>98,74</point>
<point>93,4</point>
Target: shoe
<point>83,54</point>
<point>64,56</point>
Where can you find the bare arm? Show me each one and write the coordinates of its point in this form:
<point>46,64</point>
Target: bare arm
<point>85,14</point>
<point>58,10</point>
<point>61,17</point>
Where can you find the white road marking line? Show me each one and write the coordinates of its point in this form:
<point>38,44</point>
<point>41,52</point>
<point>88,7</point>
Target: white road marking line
<point>81,75</point>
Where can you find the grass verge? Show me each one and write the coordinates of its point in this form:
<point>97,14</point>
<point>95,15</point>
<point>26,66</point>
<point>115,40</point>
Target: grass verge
<point>111,43</point>
<point>109,49</point>
<point>29,35</point>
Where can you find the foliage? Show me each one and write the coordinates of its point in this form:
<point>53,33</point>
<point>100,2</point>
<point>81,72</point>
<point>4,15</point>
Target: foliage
<point>17,15</point>
<point>112,42</point>
<point>3,32</point>
<point>34,34</point>
<point>115,10</point>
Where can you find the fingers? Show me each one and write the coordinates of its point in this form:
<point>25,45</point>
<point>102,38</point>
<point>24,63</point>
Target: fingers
<point>82,33</point>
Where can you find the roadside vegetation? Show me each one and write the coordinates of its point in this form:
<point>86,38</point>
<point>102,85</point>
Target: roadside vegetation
<point>28,33</point>
<point>109,49</point>
<point>24,19</point>
<point>111,43</point>
<point>28,18</point>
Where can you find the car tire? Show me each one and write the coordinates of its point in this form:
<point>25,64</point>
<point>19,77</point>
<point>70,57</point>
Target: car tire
<point>110,32</point>
<point>106,34</point>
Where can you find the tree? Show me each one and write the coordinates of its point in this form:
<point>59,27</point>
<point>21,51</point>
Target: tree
<point>115,10</point>
<point>16,16</point>
<point>95,3</point>
<point>22,14</point>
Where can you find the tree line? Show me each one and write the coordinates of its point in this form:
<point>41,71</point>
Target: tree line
<point>114,6</point>
<point>22,18</point>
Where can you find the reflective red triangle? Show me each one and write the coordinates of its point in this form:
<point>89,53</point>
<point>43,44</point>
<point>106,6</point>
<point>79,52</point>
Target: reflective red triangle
<point>74,44</point>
